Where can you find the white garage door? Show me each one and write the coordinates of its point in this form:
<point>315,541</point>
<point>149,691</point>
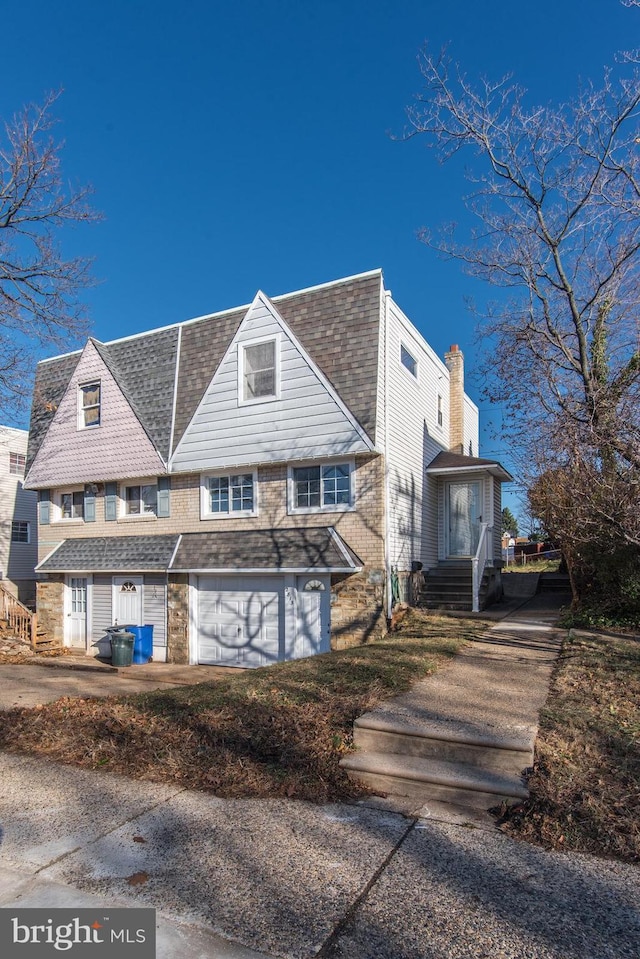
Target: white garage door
<point>239,620</point>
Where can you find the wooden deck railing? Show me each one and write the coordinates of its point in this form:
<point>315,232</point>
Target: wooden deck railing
<point>20,620</point>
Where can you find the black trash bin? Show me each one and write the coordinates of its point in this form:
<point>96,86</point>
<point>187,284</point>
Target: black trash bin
<point>121,647</point>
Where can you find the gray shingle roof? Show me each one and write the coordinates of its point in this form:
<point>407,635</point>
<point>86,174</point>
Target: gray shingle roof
<point>281,549</point>
<point>457,461</point>
<point>52,379</point>
<point>111,554</point>
<point>338,325</point>
<point>147,366</point>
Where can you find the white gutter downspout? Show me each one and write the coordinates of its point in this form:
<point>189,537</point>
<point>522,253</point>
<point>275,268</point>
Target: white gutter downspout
<point>387,498</point>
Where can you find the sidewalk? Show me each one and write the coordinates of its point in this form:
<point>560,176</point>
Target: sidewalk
<point>240,879</point>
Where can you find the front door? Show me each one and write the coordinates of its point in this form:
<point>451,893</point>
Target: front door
<point>127,600</point>
<point>464,505</point>
<point>313,626</point>
<point>77,612</point>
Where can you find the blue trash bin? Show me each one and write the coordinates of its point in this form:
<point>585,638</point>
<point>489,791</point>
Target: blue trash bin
<point>143,643</point>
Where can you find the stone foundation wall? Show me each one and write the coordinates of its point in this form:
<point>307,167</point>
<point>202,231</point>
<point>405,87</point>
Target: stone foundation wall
<point>50,607</point>
<point>357,608</point>
<point>178,619</point>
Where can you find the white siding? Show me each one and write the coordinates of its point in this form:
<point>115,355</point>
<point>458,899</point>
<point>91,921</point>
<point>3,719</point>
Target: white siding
<point>413,439</point>
<point>471,428</point>
<point>17,560</point>
<point>101,613</point>
<point>304,422</point>
<point>497,519</point>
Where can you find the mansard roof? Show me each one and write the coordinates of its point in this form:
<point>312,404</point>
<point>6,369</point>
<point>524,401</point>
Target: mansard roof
<point>337,323</point>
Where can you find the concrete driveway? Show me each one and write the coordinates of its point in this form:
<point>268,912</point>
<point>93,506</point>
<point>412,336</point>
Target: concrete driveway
<point>31,684</point>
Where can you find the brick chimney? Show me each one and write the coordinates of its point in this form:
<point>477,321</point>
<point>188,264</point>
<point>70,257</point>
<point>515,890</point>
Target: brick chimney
<point>455,364</point>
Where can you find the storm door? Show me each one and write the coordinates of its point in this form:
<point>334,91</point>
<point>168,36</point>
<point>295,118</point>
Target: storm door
<point>463,507</point>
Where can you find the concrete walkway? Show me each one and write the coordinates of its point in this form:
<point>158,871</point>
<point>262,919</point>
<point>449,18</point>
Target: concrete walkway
<point>46,680</point>
<point>464,735</point>
<point>240,879</point>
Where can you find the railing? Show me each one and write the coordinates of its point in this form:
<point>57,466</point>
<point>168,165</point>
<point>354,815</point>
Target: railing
<point>478,563</point>
<point>20,620</point>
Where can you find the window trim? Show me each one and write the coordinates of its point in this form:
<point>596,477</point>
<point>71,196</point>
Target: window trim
<point>82,425</point>
<point>206,512</point>
<point>21,542</point>
<point>413,373</point>
<point>293,510</point>
<point>259,341</point>
<point>20,463</point>
<point>59,518</point>
<point>123,486</point>
<point>439,413</point>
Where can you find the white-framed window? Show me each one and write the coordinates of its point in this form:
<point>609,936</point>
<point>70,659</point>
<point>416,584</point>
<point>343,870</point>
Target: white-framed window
<point>327,486</point>
<point>408,360</point>
<point>258,371</point>
<point>229,494</point>
<point>20,531</point>
<point>17,463</point>
<point>439,410</point>
<point>139,499</point>
<point>70,504</point>
<point>89,398</point>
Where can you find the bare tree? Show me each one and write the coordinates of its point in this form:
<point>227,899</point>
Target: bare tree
<point>39,287</point>
<point>557,202</point>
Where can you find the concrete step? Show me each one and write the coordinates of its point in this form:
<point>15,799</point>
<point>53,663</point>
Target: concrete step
<point>430,779</point>
<point>554,582</point>
<point>480,748</point>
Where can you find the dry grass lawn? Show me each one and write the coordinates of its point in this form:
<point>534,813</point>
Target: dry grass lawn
<point>585,788</point>
<point>279,731</point>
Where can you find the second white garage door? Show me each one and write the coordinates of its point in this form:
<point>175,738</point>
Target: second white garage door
<point>240,620</point>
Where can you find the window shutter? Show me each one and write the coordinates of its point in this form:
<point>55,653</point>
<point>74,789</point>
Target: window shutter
<point>164,496</point>
<point>89,505</point>
<point>111,501</point>
<point>45,506</point>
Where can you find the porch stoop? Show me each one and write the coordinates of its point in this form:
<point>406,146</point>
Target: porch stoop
<point>465,735</point>
<point>433,763</point>
<point>449,586</point>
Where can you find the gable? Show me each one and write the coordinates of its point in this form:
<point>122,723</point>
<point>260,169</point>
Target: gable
<point>118,448</point>
<point>306,419</point>
<point>338,325</point>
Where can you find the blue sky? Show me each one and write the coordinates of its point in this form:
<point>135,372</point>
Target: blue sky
<point>243,145</point>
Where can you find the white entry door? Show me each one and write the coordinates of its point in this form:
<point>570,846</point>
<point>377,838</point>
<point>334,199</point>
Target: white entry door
<point>464,506</point>
<point>76,634</point>
<point>127,600</point>
<point>313,626</point>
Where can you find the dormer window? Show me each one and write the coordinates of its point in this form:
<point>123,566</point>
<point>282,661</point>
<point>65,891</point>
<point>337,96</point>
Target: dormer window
<point>258,371</point>
<point>89,406</point>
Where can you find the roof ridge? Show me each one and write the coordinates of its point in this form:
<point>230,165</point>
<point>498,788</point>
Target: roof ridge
<point>232,309</point>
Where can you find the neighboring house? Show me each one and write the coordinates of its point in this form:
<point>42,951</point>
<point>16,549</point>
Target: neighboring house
<point>252,482</point>
<point>18,518</point>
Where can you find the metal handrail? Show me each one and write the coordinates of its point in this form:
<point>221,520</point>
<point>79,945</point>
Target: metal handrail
<point>20,620</point>
<point>476,570</point>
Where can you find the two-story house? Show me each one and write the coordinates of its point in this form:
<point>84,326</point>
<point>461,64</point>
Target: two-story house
<point>252,482</point>
<point>18,518</point>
